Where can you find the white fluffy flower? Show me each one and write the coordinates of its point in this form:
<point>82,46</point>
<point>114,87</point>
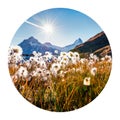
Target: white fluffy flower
<point>63,54</point>
<point>15,54</point>
<point>103,58</point>
<point>108,58</point>
<point>92,55</point>
<point>22,72</point>
<point>91,62</point>
<point>43,64</point>
<point>48,56</point>
<point>93,71</point>
<point>34,73</point>
<point>77,56</point>
<point>62,64</point>
<point>65,60</point>
<point>16,50</point>
<point>70,54</point>
<point>55,68</point>
<point>86,81</point>
<point>74,61</point>
<point>56,51</point>
<point>83,60</point>
<point>34,53</point>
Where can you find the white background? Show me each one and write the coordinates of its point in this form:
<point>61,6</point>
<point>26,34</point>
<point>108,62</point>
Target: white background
<point>13,13</point>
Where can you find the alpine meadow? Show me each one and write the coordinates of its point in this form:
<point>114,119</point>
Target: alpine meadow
<point>53,71</point>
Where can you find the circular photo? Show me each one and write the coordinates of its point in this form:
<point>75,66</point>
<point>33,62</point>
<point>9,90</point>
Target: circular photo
<point>59,60</point>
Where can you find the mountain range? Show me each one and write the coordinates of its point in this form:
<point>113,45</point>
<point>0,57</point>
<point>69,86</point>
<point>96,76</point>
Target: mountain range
<point>97,44</point>
<point>32,44</point>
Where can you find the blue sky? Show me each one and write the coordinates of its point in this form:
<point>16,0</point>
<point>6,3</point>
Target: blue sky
<point>67,24</point>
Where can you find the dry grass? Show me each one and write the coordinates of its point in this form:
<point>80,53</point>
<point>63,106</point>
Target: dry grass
<point>67,92</point>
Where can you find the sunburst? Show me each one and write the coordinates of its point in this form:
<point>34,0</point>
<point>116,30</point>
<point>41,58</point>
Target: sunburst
<point>47,28</point>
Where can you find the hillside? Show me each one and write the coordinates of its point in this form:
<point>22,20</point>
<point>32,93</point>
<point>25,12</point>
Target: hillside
<point>97,44</point>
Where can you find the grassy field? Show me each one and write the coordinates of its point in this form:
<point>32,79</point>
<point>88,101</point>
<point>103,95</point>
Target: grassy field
<point>63,83</point>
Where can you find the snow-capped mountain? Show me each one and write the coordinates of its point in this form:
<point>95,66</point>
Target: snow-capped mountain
<point>32,44</point>
<point>70,47</point>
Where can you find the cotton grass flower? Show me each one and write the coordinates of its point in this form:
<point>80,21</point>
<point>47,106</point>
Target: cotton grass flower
<point>62,73</point>
<point>48,55</point>
<point>70,54</point>
<point>86,81</point>
<point>108,58</point>
<point>48,74</point>
<point>56,52</point>
<point>39,54</point>
<point>83,60</point>
<point>34,73</point>
<point>22,72</point>
<point>65,60</point>
<point>93,71</point>
<point>63,54</point>
<point>91,62</point>
<point>74,61</point>
<point>43,64</point>
<point>77,56</point>
<point>94,57</point>
<point>103,58</point>
<point>55,68</point>
<point>15,55</point>
<point>16,49</point>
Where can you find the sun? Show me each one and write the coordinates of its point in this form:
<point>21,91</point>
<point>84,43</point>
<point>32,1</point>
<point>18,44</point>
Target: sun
<point>48,28</point>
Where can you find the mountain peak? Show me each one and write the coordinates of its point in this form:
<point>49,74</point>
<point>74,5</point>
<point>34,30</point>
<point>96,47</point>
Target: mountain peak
<point>72,46</point>
<point>32,39</point>
<point>32,44</point>
<point>78,41</point>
